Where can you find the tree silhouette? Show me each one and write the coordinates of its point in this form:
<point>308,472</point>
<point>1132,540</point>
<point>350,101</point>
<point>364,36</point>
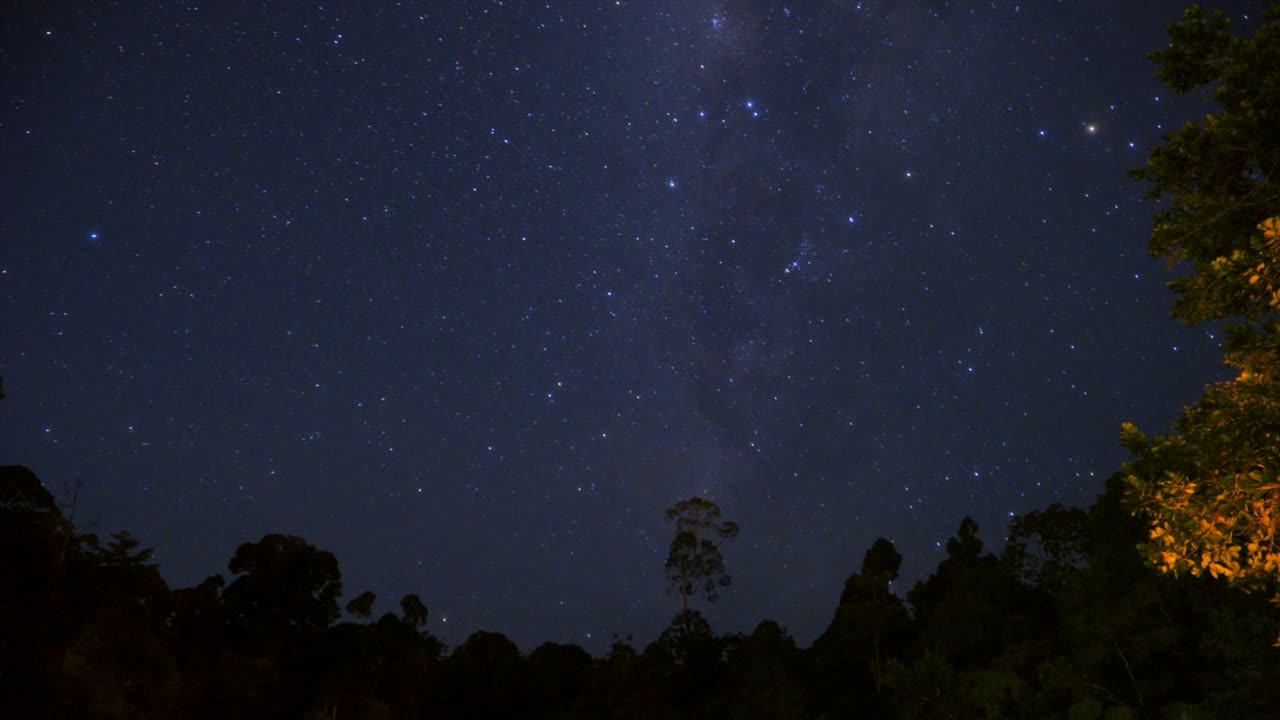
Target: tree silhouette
<point>868,629</point>
<point>284,586</point>
<point>362,605</point>
<point>1045,546</point>
<point>482,676</point>
<point>415,612</point>
<point>694,564</point>
<point>1068,623</point>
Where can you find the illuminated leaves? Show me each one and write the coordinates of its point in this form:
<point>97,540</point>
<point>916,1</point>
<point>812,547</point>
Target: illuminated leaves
<point>1211,492</point>
<point>1198,537</point>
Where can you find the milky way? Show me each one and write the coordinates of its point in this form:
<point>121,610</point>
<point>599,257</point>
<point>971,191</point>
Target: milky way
<point>468,295</point>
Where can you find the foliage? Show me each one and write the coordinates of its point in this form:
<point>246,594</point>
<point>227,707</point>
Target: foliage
<point>869,630</point>
<point>362,604</point>
<point>1218,175</point>
<point>1046,546</point>
<point>415,612</point>
<point>694,564</point>
<point>283,585</point>
<point>1211,492</point>
<point>1089,633</point>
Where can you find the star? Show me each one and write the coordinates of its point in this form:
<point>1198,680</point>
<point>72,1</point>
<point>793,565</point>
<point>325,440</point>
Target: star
<point>393,249</point>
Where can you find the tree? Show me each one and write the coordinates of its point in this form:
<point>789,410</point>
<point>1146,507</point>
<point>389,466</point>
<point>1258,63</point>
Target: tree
<point>1045,546</point>
<point>284,586</point>
<point>1211,492</point>
<point>767,676</point>
<point>694,564</point>
<point>879,613</point>
<point>879,567</point>
<point>556,675</point>
<point>869,628</point>
<point>973,608</point>
<point>688,640</point>
<point>35,622</point>
<point>482,677</point>
<point>1211,495</point>
<point>362,604</point>
<point>415,612</point>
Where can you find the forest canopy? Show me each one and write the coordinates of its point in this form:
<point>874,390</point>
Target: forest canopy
<point>1066,622</point>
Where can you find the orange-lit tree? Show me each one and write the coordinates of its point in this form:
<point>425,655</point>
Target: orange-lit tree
<point>1211,490</point>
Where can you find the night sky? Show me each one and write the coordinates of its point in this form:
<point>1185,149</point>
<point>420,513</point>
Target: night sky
<point>467,293</point>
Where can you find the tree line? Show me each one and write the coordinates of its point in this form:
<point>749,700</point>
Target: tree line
<point>1068,621</point>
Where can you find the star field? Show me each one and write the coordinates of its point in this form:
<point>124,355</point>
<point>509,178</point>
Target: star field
<point>469,294</point>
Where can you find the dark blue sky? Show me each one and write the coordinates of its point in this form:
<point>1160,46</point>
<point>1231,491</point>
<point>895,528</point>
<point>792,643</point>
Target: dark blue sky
<point>468,293</point>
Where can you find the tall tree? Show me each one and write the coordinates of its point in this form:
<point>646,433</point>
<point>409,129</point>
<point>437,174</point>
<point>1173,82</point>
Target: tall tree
<point>415,611</point>
<point>283,586</point>
<point>1211,492</point>
<point>869,628</point>
<point>694,564</point>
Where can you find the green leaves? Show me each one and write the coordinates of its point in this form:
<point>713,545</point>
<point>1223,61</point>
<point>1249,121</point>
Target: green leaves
<point>1210,493</point>
<point>1218,174</point>
<point>1195,55</point>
